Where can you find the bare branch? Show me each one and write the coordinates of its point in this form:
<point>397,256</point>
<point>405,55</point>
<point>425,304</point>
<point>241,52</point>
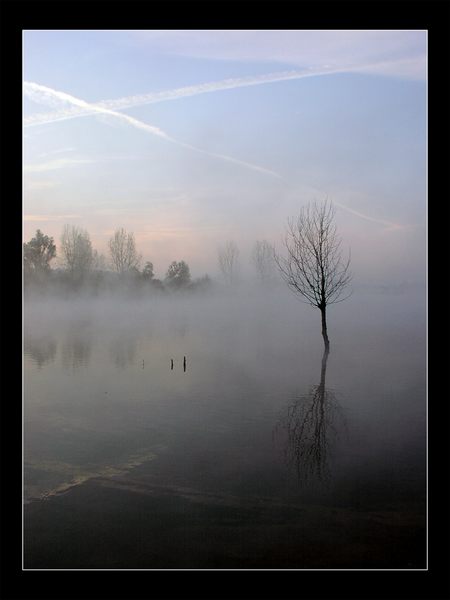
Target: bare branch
<point>122,248</point>
<point>228,257</point>
<point>313,267</point>
<point>263,260</point>
<point>76,251</point>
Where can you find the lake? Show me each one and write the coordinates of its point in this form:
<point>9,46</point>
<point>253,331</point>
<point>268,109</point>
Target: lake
<point>255,454</point>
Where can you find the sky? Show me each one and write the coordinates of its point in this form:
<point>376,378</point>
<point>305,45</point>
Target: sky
<point>190,139</point>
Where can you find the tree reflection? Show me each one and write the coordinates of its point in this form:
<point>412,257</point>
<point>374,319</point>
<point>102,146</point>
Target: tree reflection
<point>76,350</point>
<point>41,350</point>
<point>311,424</point>
<point>123,351</point>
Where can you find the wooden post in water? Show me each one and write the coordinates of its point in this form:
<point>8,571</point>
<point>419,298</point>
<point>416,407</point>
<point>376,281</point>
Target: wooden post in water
<point>171,364</point>
<point>184,364</point>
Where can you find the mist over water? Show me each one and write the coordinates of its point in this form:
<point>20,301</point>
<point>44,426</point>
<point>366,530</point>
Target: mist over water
<point>102,406</point>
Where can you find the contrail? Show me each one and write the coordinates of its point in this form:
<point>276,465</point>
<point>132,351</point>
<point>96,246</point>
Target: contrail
<point>154,97</point>
<point>388,224</point>
<point>193,90</point>
<point>48,95</point>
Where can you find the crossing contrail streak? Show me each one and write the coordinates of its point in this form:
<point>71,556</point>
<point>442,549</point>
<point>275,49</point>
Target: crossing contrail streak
<point>194,90</point>
<point>48,95</point>
<point>154,97</point>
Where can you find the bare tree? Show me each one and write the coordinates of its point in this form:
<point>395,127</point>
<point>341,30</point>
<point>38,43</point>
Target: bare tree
<point>76,250</point>
<point>263,260</point>
<point>228,257</point>
<point>123,251</point>
<point>314,267</point>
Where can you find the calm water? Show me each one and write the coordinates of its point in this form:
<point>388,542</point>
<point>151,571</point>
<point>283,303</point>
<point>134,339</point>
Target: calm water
<point>252,456</point>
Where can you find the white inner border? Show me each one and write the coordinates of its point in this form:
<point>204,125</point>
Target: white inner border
<point>426,310</point>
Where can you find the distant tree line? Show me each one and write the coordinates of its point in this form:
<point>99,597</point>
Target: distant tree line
<point>313,266</point>
<point>78,265</point>
<point>262,260</point>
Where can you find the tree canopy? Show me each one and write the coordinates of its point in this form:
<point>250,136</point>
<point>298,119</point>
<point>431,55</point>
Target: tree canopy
<point>38,252</point>
<point>178,275</point>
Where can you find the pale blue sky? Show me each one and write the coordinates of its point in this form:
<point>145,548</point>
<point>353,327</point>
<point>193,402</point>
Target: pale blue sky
<point>187,174</point>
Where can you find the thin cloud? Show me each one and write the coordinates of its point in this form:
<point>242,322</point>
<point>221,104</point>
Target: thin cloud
<point>58,151</point>
<point>48,218</point>
<point>45,94</point>
<point>294,47</point>
<point>58,163</point>
<point>39,185</point>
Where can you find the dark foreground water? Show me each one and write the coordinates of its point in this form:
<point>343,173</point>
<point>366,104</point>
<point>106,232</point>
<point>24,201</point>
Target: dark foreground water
<point>256,455</point>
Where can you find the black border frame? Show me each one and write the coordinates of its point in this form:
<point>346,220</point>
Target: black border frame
<point>431,15</point>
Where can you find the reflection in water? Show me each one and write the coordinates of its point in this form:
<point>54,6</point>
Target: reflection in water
<point>41,350</point>
<point>311,427</point>
<point>123,351</point>
<point>179,325</point>
<point>76,350</point>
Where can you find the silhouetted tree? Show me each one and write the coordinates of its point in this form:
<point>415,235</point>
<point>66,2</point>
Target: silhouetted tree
<point>124,255</point>
<point>178,275</point>
<point>76,250</point>
<point>228,257</point>
<point>38,253</point>
<point>314,268</point>
<point>263,260</point>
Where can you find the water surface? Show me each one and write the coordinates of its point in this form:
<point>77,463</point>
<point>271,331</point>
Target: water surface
<point>252,456</point>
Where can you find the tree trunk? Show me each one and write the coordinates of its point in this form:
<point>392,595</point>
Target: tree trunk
<point>323,371</point>
<point>326,341</point>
